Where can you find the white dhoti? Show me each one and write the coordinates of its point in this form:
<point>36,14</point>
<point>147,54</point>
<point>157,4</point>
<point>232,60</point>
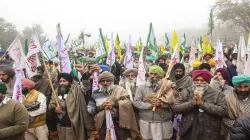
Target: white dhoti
<point>156,130</point>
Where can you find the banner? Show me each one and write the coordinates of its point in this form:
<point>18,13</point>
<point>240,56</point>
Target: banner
<point>62,52</point>
<point>193,51</point>
<point>17,91</point>
<point>219,56</point>
<point>129,60</point>
<point>16,53</point>
<point>141,79</point>
<point>32,58</point>
<point>110,133</point>
<point>111,53</point>
<point>95,84</point>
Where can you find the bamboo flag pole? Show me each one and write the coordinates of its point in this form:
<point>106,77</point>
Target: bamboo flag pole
<point>165,78</point>
<point>51,85</point>
<point>3,56</point>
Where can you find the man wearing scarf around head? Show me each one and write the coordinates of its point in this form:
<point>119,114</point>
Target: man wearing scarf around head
<point>238,101</point>
<point>156,125</point>
<point>73,121</point>
<point>7,75</point>
<point>14,118</point>
<point>35,103</point>
<point>202,109</point>
<point>116,99</point>
<point>179,77</point>
<point>130,81</point>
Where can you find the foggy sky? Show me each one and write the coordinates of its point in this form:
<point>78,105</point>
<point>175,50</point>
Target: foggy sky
<point>125,17</point>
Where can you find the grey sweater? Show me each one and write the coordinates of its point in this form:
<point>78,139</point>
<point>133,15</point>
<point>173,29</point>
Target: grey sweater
<point>145,108</point>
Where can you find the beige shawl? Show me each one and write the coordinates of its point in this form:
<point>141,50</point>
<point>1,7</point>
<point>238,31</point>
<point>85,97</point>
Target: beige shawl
<point>126,112</point>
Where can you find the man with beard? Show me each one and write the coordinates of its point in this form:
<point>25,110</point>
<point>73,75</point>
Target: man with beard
<point>238,101</point>
<point>130,79</point>
<point>153,125</point>
<point>14,118</point>
<point>178,76</point>
<point>7,75</point>
<point>115,99</point>
<point>35,103</point>
<point>182,81</point>
<point>162,63</point>
<point>202,109</point>
<point>221,83</point>
<point>231,66</point>
<point>73,121</point>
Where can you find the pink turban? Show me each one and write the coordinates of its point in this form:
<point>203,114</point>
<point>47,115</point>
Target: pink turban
<point>205,74</point>
<point>28,83</point>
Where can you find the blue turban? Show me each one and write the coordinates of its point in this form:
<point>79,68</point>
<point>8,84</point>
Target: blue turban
<point>238,80</point>
<point>104,67</point>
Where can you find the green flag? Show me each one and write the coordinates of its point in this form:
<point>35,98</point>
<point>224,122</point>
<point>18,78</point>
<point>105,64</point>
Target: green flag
<point>210,23</point>
<point>166,40</point>
<point>100,47</point>
<point>152,42</point>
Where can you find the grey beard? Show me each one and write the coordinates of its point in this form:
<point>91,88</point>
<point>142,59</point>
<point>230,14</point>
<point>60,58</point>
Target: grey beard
<point>106,89</point>
<point>63,90</point>
<point>130,83</point>
<point>200,89</point>
<point>217,84</point>
<point>153,83</point>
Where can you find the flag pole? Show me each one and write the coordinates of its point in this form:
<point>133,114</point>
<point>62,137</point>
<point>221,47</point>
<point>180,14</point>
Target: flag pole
<point>51,85</point>
<point>3,56</point>
<point>165,78</point>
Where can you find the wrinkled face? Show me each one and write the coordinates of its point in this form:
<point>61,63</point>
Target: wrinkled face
<point>199,81</point>
<point>218,76</point>
<point>4,77</point>
<point>63,82</point>
<point>131,76</point>
<point>161,61</point>
<point>207,58</point>
<point>105,83</point>
<point>178,73</point>
<point>153,76</point>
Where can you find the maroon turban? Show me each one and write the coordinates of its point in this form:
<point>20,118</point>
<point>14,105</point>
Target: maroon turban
<point>205,74</point>
<point>28,83</point>
<point>224,74</point>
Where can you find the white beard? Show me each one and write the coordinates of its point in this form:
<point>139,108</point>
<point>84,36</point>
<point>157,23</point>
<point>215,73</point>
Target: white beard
<point>217,84</point>
<point>200,89</point>
<point>130,84</point>
<point>106,89</point>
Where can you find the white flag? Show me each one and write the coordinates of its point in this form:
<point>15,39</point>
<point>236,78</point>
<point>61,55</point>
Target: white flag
<point>47,50</point>
<point>62,52</point>
<point>141,79</point>
<point>110,127</point>
<point>17,92</point>
<point>247,68</point>
<point>219,56</point>
<point>241,57</point>
<point>32,58</point>
<point>95,84</point>
<point>129,61</point>
<point>193,50</point>
<point>100,49</point>
<point>16,53</point>
<point>176,55</point>
<point>111,54</point>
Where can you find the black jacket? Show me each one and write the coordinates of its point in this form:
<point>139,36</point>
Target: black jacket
<point>241,129</point>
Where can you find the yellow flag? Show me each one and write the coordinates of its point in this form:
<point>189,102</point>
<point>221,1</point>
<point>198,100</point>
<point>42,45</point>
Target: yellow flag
<point>174,40</point>
<point>209,48</point>
<point>107,45</point>
<point>162,49</point>
<point>204,45</point>
<point>117,45</point>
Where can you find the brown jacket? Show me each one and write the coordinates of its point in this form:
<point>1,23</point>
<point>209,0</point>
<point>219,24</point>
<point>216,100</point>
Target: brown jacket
<point>198,125</point>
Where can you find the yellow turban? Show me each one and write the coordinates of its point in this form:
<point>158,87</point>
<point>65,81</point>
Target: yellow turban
<point>196,64</point>
<point>211,62</point>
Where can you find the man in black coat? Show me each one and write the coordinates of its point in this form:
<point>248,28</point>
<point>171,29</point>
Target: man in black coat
<point>241,129</point>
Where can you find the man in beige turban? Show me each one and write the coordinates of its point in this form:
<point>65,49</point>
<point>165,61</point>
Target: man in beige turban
<point>115,99</point>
